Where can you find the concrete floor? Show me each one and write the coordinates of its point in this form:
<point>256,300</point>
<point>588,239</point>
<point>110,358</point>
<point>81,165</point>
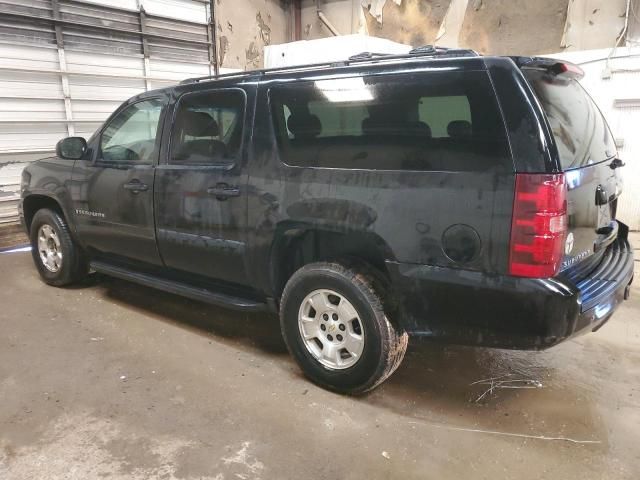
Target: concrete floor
<point>115,380</point>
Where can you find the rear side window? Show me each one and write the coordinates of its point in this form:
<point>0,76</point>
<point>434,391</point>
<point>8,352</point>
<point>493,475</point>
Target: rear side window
<point>207,129</point>
<point>440,121</point>
<point>439,112</point>
<point>580,131</point>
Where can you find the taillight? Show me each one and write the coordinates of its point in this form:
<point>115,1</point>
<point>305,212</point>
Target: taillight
<point>538,225</point>
<point>568,70</point>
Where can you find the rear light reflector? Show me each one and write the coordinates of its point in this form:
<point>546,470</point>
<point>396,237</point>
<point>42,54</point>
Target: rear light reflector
<point>538,225</point>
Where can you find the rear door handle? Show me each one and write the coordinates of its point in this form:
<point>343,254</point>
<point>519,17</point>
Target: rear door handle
<point>222,191</point>
<point>136,186</point>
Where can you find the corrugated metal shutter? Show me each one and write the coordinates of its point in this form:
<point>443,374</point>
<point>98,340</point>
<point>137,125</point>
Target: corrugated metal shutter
<point>65,65</point>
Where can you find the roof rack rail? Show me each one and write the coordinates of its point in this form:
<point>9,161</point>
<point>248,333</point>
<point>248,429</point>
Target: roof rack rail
<point>363,57</point>
<point>367,55</point>
<point>446,51</point>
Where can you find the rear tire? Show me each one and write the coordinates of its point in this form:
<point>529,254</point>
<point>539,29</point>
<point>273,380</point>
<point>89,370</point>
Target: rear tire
<point>334,323</point>
<point>58,259</point>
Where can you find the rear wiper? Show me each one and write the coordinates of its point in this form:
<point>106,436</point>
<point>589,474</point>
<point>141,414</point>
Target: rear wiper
<point>616,163</point>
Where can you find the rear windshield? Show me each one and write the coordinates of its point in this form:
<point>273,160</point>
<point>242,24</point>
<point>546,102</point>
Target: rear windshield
<point>581,132</point>
<point>429,122</point>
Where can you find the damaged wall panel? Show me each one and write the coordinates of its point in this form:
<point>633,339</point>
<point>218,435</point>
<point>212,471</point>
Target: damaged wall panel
<point>245,27</point>
<point>489,26</point>
<point>413,22</point>
<point>344,15</point>
<point>451,26</point>
<point>506,27</point>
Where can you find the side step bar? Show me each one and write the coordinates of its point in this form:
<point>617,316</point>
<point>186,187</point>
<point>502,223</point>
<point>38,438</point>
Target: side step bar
<point>178,288</point>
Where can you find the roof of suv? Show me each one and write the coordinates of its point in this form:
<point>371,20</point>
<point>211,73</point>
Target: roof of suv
<point>427,52</point>
<point>419,57</point>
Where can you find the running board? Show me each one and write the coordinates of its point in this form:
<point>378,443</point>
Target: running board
<point>179,288</point>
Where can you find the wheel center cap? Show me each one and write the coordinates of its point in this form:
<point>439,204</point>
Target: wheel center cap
<point>332,328</point>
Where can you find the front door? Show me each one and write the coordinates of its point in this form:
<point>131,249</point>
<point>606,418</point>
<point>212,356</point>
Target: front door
<point>113,191</point>
<point>200,194</point>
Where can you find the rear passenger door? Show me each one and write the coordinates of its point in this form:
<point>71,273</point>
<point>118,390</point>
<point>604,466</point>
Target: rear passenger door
<point>200,195</point>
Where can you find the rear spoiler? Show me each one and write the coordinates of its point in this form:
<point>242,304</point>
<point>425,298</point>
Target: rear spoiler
<point>551,65</point>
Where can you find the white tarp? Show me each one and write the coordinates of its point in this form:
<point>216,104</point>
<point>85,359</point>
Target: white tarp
<point>331,49</point>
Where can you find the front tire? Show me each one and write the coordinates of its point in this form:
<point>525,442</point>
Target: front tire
<point>335,325</point>
<point>58,259</point>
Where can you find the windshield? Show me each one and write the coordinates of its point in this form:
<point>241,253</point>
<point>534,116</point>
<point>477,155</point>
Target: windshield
<point>581,132</point>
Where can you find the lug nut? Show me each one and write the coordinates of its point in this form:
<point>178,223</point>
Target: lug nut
<point>341,327</point>
<point>334,316</point>
<point>330,338</point>
<point>325,316</point>
<point>339,337</point>
<point>322,327</point>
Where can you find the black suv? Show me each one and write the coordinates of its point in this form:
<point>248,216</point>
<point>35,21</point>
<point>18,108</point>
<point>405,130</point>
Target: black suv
<point>439,194</point>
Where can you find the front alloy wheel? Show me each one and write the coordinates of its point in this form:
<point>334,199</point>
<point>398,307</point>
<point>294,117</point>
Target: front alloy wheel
<point>49,248</point>
<point>58,259</point>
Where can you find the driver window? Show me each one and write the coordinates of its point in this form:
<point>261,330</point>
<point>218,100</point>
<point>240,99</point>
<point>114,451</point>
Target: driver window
<point>131,135</point>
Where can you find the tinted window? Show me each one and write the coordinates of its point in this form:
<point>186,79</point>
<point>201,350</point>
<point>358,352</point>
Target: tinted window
<point>208,128</point>
<point>435,121</point>
<point>439,112</point>
<point>131,134</point>
<point>580,131</point>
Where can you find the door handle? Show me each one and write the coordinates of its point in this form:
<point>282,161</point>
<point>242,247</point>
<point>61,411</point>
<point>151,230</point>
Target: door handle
<point>222,191</point>
<point>136,186</point>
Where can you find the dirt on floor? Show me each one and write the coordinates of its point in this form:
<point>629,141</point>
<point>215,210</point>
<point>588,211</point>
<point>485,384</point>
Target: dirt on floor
<point>109,379</point>
<point>11,235</point>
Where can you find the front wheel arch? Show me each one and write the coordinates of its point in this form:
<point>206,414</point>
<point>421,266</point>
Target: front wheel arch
<point>32,203</point>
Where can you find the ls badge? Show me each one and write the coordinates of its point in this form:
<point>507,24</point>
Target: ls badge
<point>568,244</point>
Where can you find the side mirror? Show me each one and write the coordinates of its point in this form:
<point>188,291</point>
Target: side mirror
<point>71,148</point>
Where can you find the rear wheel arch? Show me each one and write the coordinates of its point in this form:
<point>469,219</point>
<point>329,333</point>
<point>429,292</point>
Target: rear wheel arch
<point>297,247</point>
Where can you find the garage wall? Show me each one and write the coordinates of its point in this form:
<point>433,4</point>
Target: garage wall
<point>245,27</point>
<point>488,26</point>
<point>65,65</point>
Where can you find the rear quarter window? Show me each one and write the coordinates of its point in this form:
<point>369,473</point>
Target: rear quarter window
<point>581,133</point>
<point>426,122</point>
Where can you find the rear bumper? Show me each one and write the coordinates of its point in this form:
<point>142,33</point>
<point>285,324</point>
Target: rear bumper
<point>475,308</point>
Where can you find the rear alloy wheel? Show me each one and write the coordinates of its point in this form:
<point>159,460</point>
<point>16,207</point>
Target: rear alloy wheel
<point>336,325</point>
<point>331,329</point>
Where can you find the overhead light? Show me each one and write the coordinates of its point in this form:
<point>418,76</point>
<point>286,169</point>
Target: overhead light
<point>339,90</point>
